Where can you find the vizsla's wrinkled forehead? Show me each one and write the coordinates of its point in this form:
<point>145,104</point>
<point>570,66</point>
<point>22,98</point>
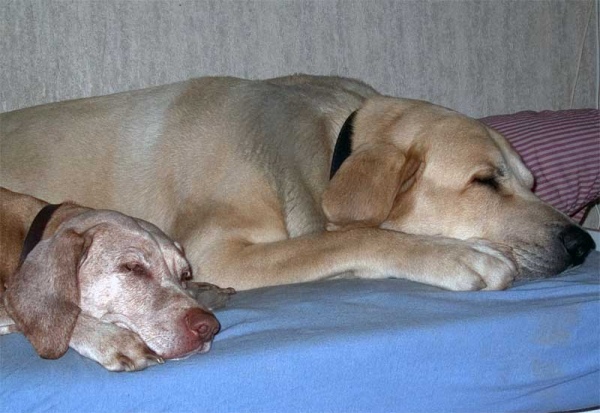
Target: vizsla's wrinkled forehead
<point>119,230</point>
<point>123,223</point>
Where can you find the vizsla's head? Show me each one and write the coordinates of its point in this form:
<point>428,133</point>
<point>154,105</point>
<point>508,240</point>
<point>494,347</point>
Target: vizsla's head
<point>419,168</point>
<point>115,268</point>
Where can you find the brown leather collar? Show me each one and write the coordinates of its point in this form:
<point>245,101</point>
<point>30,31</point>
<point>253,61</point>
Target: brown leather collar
<point>36,230</point>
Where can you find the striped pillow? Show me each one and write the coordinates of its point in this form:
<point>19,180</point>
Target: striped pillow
<point>562,150</point>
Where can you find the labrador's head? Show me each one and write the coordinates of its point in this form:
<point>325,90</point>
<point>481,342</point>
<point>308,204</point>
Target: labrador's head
<point>115,268</point>
<point>419,168</point>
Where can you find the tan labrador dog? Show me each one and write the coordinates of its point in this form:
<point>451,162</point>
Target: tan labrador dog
<point>239,171</point>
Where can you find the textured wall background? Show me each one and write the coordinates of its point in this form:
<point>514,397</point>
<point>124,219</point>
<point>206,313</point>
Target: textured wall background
<point>480,57</point>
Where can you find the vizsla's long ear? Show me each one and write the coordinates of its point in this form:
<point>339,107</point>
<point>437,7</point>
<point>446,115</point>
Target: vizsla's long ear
<point>43,295</point>
<point>363,191</point>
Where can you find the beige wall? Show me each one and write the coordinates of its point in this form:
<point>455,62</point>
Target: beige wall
<point>480,57</point>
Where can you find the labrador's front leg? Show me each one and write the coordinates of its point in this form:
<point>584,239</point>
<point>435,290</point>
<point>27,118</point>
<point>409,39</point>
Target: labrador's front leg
<point>453,264</point>
<point>114,347</point>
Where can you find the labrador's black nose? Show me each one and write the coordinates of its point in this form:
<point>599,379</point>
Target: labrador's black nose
<point>577,242</point>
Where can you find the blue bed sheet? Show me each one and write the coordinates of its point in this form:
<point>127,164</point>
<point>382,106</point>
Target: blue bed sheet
<point>353,346</point>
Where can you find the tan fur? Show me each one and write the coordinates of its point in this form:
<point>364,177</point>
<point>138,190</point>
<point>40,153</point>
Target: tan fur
<point>362,192</point>
<point>238,170</point>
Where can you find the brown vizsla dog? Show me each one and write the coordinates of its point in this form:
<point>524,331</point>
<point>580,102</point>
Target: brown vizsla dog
<point>107,285</point>
<point>239,171</point>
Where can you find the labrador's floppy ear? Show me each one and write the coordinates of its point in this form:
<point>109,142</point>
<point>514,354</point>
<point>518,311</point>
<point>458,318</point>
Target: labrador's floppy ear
<point>43,295</point>
<point>363,191</point>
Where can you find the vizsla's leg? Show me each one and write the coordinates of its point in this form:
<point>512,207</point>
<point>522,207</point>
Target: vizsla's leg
<point>114,347</point>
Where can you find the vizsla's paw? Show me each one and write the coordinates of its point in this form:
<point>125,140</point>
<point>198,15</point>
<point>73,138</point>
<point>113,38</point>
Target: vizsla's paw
<point>134,362</point>
<point>208,295</point>
<point>118,349</point>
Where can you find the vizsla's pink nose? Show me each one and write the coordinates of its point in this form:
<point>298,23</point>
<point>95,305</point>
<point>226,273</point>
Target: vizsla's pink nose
<point>201,323</point>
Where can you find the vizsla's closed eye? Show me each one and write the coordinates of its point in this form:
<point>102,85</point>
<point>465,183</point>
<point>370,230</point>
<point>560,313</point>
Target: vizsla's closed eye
<point>108,285</point>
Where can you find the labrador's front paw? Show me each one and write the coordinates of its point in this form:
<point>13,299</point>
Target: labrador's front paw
<point>458,265</point>
<point>496,266</point>
<point>478,264</point>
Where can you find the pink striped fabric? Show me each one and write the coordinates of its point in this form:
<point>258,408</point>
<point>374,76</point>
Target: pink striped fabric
<point>562,150</point>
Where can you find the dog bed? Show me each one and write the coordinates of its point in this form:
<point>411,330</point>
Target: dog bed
<point>353,346</point>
